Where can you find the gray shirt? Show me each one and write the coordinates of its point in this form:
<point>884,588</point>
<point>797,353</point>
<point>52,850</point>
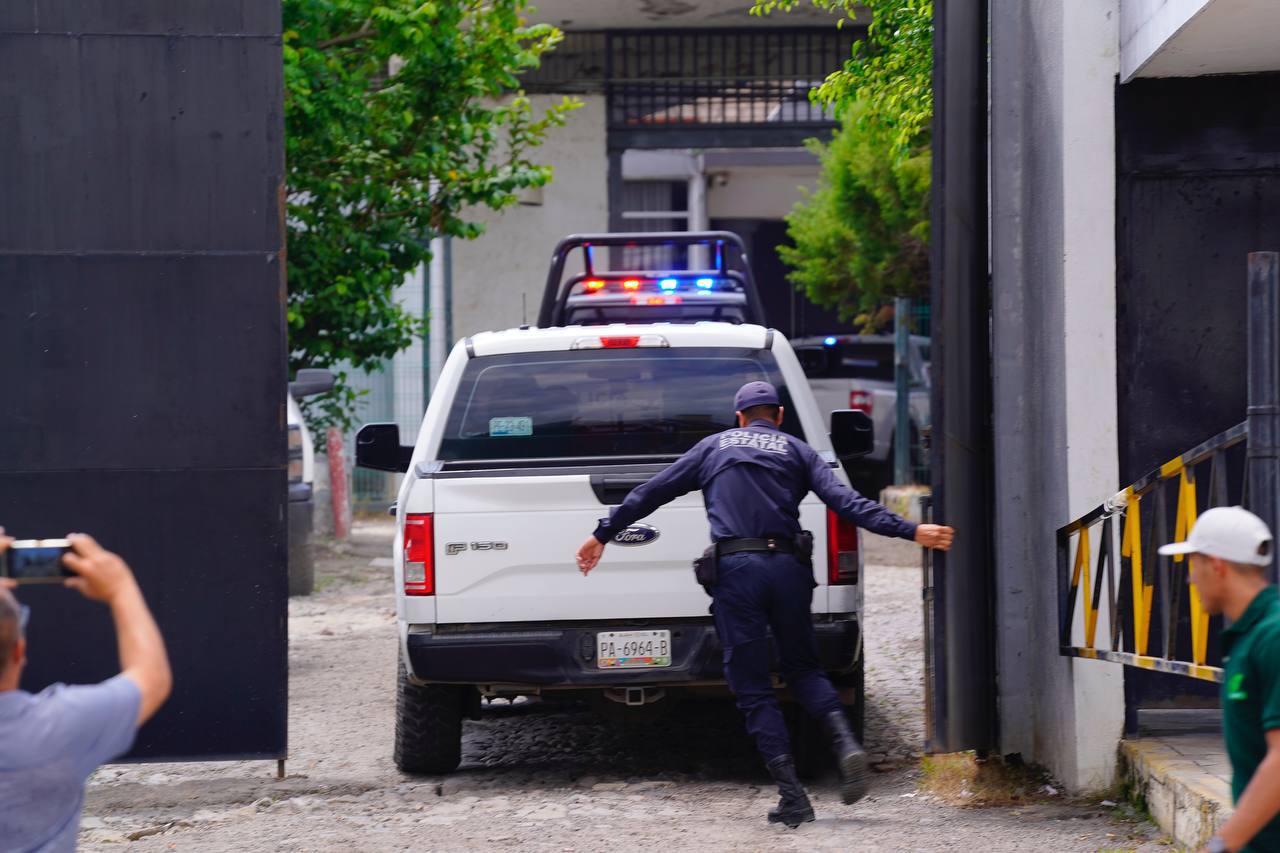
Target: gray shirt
<point>49,744</point>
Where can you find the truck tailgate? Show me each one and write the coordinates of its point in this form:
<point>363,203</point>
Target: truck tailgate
<point>505,546</point>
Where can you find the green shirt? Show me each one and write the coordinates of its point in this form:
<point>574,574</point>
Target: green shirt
<point>1251,698</point>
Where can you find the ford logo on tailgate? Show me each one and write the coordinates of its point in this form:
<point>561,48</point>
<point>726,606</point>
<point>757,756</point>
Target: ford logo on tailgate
<point>637,534</point>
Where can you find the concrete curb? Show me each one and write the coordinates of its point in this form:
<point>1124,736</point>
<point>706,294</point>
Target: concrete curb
<point>1184,798</point>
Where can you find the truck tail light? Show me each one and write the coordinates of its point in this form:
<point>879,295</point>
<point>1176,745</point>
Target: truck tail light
<point>860,400</point>
<point>419,547</point>
<point>842,551</point>
<point>295,453</point>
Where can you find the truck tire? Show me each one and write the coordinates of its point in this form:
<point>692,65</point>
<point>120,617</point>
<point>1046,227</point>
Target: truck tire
<point>428,726</point>
<point>809,745</point>
<point>302,570</point>
<point>301,558</point>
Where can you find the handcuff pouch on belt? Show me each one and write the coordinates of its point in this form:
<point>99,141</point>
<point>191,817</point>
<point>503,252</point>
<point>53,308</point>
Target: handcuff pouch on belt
<point>804,548</point>
<point>705,569</point>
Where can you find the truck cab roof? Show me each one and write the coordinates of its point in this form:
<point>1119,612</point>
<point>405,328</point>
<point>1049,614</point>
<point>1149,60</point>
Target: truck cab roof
<point>620,336</point>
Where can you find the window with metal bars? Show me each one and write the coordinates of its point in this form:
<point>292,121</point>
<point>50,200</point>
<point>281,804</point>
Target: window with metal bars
<point>700,77</point>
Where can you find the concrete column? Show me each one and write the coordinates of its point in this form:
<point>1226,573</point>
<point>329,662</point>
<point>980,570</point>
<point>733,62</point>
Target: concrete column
<point>437,333</point>
<point>1053,67</point>
<point>407,380</point>
<point>1090,54</point>
<point>698,221</point>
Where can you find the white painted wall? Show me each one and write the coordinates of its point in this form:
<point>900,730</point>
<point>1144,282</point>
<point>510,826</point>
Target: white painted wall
<point>1053,73</point>
<point>1187,38</point>
<point>491,273</point>
<point>1090,64</point>
<point>758,193</point>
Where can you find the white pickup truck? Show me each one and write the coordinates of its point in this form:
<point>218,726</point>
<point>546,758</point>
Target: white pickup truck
<point>858,372</point>
<point>531,436</point>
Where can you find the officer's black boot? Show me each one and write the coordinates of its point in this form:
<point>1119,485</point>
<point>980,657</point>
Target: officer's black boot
<point>851,759</point>
<point>794,807</point>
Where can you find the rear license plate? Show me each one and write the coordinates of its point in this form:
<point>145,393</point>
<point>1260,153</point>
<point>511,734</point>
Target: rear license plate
<point>633,649</point>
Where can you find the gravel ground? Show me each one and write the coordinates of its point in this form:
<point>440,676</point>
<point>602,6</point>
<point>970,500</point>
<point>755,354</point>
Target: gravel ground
<point>545,778</point>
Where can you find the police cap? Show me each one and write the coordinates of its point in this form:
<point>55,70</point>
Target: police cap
<point>755,394</point>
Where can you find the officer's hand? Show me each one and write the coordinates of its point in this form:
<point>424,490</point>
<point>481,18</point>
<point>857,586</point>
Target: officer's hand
<point>935,536</point>
<point>589,555</point>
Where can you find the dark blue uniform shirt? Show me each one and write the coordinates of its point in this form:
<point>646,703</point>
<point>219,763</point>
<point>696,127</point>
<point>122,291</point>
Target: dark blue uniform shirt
<point>752,482</point>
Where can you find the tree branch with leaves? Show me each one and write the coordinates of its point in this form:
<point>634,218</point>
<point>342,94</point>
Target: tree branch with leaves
<point>862,237</point>
<point>400,117</point>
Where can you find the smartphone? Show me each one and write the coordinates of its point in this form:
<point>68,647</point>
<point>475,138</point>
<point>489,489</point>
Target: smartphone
<point>36,561</point>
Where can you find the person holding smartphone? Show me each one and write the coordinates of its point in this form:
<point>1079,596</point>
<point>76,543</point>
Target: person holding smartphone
<point>51,741</point>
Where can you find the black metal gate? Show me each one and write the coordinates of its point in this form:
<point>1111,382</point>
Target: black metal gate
<point>1198,188</point>
<point>142,354</point>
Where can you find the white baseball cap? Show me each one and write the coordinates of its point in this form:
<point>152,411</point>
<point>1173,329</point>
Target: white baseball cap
<point>1229,533</point>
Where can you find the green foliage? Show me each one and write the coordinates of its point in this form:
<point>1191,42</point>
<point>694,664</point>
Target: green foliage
<point>400,116</point>
<point>890,73</point>
<point>862,237</point>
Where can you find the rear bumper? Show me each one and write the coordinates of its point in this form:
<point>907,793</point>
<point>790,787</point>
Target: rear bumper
<point>551,656</point>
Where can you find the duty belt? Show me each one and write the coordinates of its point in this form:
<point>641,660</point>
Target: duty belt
<point>738,546</point>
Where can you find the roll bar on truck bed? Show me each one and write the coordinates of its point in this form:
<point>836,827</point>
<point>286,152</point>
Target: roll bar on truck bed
<point>556,294</point>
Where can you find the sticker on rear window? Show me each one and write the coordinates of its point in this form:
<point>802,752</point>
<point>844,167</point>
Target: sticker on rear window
<point>510,426</point>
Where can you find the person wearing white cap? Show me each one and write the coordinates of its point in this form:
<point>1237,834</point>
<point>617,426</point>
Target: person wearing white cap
<point>1230,551</point>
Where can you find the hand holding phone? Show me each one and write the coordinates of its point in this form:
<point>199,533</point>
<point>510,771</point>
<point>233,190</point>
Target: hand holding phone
<point>96,573</point>
<point>28,561</point>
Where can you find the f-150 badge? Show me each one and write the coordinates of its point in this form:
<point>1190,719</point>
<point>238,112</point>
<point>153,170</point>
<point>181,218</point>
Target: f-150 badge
<point>453,548</point>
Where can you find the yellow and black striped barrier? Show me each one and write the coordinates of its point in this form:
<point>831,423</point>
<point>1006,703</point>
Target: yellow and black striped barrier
<point>1138,582</point>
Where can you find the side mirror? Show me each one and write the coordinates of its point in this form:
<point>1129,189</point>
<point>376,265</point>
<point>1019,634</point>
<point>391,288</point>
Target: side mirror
<point>852,433</point>
<point>311,381</point>
<point>378,447</point>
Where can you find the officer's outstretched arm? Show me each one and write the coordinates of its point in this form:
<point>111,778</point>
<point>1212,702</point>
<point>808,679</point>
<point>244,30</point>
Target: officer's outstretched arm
<point>867,513</point>
<point>678,479</point>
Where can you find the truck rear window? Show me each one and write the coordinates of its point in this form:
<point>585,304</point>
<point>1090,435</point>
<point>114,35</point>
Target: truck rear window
<point>601,403</point>
<point>850,361</point>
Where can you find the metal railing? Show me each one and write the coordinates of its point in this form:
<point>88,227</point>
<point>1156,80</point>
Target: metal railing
<point>1149,625</point>
<point>1141,586</point>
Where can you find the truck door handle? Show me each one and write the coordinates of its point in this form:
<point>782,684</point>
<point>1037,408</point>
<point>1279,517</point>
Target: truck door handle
<point>613,489</point>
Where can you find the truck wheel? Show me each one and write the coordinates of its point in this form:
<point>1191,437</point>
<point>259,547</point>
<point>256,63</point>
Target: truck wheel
<point>301,559</point>
<point>302,570</point>
<point>428,726</point>
<point>858,710</point>
<point>809,744</point>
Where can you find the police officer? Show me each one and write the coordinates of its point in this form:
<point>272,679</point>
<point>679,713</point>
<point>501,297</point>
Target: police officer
<point>752,480</point>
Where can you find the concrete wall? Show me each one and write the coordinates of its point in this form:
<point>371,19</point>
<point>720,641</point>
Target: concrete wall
<point>1191,38</point>
<point>1147,25</point>
<point>1053,70</point>
<point>758,193</point>
<point>492,273</point>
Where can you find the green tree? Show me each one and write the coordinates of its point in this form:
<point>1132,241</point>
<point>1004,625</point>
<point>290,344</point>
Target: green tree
<point>400,116</point>
<point>862,236</point>
<point>890,72</point>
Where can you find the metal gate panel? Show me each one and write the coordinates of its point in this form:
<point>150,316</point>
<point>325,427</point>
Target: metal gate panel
<point>1197,189</point>
<point>142,350</point>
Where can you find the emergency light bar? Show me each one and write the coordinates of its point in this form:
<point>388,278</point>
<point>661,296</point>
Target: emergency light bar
<point>666,285</point>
